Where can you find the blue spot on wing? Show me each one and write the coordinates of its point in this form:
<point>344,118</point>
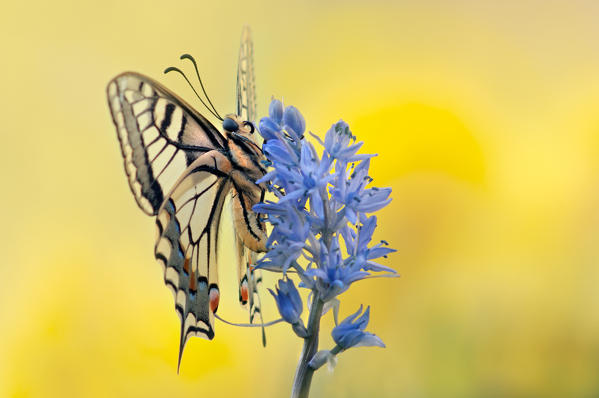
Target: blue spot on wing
<point>180,252</point>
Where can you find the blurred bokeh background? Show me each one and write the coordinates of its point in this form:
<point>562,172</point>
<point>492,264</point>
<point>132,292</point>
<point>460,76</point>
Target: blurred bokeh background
<point>485,116</point>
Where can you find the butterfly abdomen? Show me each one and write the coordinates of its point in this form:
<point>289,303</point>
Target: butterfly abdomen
<point>249,228</point>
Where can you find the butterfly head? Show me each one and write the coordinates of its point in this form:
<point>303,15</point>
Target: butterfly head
<point>234,124</point>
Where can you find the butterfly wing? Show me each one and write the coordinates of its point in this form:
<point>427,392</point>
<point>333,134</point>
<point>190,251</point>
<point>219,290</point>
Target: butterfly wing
<point>160,136</point>
<point>246,86</point>
<point>186,247</point>
<point>246,109</point>
<point>249,279</point>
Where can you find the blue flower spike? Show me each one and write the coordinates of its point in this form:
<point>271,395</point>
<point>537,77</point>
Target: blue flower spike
<point>350,332</point>
<point>319,197</point>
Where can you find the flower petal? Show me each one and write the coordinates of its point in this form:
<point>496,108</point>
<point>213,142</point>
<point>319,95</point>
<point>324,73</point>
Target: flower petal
<point>275,110</point>
<point>294,120</point>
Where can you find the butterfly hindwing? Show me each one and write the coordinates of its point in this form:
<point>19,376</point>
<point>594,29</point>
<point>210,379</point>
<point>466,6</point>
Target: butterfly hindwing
<point>159,133</point>
<point>188,223</point>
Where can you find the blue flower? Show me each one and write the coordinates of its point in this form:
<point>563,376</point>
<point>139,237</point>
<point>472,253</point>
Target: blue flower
<point>299,180</point>
<point>288,237</point>
<point>271,125</point>
<point>319,197</point>
<point>350,332</point>
<point>268,129</point>
<point>275,111</point>
<point>352,193</point>
<point>337,143</point>
<point>281,153</point>
<point>357,246</point>
<point>290,120</point>
<point>333,275</point>
<point>294,122</point>
<point>288,301</point>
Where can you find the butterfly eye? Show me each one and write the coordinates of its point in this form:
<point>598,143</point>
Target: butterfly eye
<point>251,126</point>
<point>230,125</point>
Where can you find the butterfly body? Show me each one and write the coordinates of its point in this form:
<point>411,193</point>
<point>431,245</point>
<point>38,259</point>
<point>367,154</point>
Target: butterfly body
<point>180,169</point>
<point>246,158</point>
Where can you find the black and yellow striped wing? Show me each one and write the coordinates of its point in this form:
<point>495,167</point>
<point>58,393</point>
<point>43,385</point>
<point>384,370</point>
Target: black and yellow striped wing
<point>160,136</point>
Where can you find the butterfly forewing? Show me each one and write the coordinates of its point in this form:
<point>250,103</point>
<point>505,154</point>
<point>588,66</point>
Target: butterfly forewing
<point>160,135</point>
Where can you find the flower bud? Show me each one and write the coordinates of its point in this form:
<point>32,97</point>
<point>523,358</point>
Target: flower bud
<point>288,301</point>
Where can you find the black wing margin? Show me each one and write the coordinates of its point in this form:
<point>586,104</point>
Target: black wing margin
<point>160,136</point>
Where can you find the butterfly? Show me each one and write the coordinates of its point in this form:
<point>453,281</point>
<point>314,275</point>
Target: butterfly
<point>180,169</point>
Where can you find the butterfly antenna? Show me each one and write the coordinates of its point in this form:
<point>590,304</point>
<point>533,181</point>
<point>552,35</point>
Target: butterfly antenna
<point>174,69</point>
<point>195,65</point>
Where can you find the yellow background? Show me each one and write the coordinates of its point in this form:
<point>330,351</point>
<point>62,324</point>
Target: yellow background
<point>486,120</point>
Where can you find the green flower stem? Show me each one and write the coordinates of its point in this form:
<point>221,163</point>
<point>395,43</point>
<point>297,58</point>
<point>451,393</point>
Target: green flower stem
<point>303,374</point>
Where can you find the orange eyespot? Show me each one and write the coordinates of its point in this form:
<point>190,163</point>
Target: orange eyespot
<point>193,284</point>
<point>243,292</point>
<point>214,299</point>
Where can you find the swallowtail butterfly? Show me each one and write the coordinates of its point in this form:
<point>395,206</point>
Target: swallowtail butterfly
<point>180,169</point>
